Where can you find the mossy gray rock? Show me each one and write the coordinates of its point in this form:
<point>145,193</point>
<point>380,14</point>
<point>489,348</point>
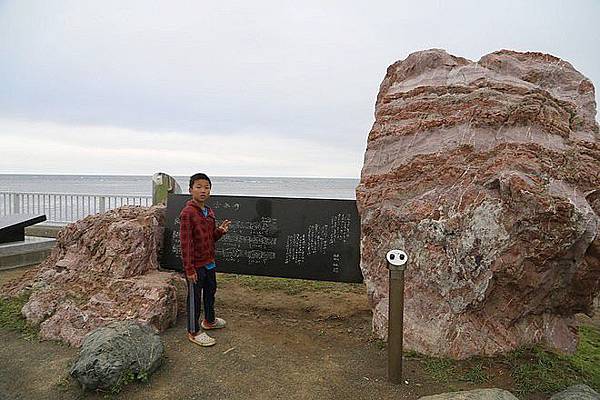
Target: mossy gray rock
<point>117,353</point>
<point>478,394</point>
<point>579,392</point>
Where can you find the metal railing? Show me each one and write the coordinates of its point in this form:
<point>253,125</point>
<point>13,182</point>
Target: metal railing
<point>63,208</point>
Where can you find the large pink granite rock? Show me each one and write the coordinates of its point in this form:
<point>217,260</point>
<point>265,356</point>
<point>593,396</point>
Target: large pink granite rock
<point>487,173</point>
<point>104,268</point>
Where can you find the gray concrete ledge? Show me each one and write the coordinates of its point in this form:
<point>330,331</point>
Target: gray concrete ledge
<point>32,250</point>
<point>30,244</point>
<point>44,230</point>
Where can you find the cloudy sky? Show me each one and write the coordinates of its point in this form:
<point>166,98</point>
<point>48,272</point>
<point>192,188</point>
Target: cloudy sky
<point>264,88</point>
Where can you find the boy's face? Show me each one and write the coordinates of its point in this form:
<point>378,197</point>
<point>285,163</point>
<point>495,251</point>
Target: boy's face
<point>200,190</point>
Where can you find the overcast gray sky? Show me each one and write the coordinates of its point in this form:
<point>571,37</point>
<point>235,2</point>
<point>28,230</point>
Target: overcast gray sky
<point>266,88</point>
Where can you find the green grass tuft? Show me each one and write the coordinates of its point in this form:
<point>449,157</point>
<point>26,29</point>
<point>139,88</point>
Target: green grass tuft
<point>128,377</point>
<point>380,344</point>
<point>532,370</point>
<point>411,354</point>
<point>477,374</point>
<point>541,371</point>
<point>538,370</point>
<point>440,369</point>
<point>587,358</point>
<point>12,320</point>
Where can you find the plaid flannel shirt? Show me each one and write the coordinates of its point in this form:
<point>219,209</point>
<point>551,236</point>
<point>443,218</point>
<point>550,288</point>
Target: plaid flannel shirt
<point>198,235</point>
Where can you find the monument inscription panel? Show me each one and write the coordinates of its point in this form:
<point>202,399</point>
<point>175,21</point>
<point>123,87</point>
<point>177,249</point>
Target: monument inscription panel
<point>283,237</point>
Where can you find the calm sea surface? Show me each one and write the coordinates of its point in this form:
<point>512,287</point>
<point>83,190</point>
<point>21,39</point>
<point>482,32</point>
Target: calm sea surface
<point>330,188</point>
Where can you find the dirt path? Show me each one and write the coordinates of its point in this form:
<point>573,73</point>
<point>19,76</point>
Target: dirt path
<point>277,345</point>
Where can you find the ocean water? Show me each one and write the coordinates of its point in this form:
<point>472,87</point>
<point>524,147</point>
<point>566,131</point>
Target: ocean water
<point>325,188</point>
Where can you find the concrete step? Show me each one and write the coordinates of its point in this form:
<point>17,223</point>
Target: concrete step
<point>48,230</point>
<point>33,250</point>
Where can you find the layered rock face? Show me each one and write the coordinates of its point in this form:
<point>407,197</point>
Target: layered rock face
<point>104,268</point>
<point>488,174</point>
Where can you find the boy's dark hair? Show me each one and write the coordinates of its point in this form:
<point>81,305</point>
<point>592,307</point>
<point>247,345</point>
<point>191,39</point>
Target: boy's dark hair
<point>199,176</point>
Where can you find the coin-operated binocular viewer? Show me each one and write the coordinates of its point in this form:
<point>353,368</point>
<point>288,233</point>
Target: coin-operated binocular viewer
<point>396,262</point>
<point>162,186</point>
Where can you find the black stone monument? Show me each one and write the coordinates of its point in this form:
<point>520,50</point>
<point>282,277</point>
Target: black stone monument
<point>314,239</point>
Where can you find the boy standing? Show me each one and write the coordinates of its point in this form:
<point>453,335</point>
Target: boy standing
<point>198,234</point>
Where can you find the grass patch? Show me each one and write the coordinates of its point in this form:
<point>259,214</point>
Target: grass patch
<point>127,378</point>
<point>445,370</point>
<point>477,374</point>
<point>290,286</point>
<point>411,355</point>
<point>441,369</point>
<point>380,344</point>
<point>587,358</point>
<point>12,320</point>
<point>538,370</point>
<point>532,370</point>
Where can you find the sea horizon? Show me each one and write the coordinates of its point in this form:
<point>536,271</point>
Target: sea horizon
<point>141,185</point>
<point>180,175</point>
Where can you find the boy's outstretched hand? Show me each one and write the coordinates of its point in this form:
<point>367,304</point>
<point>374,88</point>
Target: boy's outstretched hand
<point>225,226</point>
<point>193,278</point>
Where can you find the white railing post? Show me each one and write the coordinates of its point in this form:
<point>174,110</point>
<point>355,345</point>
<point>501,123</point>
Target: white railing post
<point>102,205</point>
<point>17,203</point>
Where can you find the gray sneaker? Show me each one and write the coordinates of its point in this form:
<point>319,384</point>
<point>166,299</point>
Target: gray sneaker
<point>219,323</point>
<point>201,339</point>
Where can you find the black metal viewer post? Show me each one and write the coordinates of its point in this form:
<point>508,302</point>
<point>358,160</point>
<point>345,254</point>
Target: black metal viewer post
<point>396,260</point>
